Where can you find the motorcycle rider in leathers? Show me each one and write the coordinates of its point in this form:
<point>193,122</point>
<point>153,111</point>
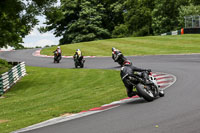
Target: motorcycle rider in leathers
<point>57,53</point>
<point>115,54</point>
<point>127,71</point>
<point>78,55</point>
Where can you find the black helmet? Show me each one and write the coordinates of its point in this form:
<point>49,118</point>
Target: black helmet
<point>127,63</point>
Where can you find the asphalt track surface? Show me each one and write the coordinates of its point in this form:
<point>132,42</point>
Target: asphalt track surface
<point>177,112</point>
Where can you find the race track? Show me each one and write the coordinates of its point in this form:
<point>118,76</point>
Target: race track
<point>177,112</point>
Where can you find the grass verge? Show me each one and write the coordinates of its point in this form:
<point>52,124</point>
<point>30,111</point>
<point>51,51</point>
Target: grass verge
<point>49,92</point>
<point>150,45</point>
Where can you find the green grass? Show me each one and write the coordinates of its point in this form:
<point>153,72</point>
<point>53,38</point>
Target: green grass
<point>4,66</point>
<point>49,92</point>
<point>151,45</point>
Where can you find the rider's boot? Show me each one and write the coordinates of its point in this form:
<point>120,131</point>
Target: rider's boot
<point>131,94</point>
<point>161,92</point>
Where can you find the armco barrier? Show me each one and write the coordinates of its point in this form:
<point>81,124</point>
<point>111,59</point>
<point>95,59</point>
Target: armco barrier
<point>191,31</point>
<point>177,32</point>
<point>9,78</point>
<point>183,31</point>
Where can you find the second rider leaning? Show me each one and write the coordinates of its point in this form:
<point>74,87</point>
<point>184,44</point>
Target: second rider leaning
<point>117,56</point>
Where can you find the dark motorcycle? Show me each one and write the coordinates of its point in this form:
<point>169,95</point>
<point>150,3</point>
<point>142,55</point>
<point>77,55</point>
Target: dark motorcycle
<point>79,62</point>
<point>57,57</point>
<point>120,58</point>
<point>148,91</point>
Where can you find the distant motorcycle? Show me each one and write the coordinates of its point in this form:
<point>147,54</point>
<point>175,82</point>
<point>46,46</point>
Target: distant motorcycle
<point>79,62</point>
<point>57,57</point>
<point>119,58</point>
<point>148,91</point>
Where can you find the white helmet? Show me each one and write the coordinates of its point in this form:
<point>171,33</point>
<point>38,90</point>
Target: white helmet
<point>58,47</point>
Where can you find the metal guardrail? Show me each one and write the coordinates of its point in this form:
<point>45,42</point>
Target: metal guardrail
<point>9,78</point>
<point>177,32</point>
<point>183,31</point>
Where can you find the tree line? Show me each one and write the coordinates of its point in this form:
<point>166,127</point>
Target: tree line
<point>18,18</point>
<point>87,20</point>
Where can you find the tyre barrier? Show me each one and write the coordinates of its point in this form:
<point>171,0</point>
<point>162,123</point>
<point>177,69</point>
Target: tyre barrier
<point>8,79</point>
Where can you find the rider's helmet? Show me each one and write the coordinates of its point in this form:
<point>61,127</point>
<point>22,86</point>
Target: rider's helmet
<point>58,47</point>
<point>127,63</point>
<point>113,49</point>
<point>78,51</point>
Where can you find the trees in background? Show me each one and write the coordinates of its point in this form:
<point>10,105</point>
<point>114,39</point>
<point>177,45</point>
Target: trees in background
<point>187,11</point>
<point>137,17</point>
<point>87,20</point>
<point>114,10</point>
<point>77,21</point>
<point>17,18</point>
<point>165,15</point>
<point>84,20</point>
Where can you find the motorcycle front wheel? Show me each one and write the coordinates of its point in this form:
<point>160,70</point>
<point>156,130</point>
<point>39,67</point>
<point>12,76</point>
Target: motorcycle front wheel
<point>76,66</point>
<point>81,66</point>
<point>145,92</point>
